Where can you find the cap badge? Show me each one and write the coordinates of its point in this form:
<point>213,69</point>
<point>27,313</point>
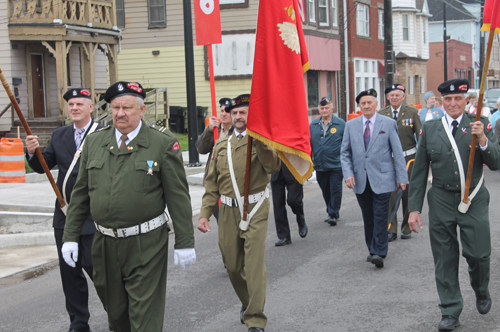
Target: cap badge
<point>463,87</point>
<point>85,92</point>
<point>120,87</point>
<point>452,87</point>
<point>74,92</point>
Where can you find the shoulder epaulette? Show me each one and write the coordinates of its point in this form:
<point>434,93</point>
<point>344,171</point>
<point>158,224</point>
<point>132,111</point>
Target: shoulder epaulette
<point>103,128</point>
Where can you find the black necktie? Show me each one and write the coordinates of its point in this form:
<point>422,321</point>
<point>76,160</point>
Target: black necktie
<point>455,127</point>
<point>395,115</point>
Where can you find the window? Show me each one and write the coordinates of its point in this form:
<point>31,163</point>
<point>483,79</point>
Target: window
<point>425,33</point>
<point>313,88</point>
<point>312,11</point>
<point>366,75</point>
<point>380,24</point>
<point>334,13</point>
<point>157,14</point>
<point>367,66</point>
<point>422,84</point>
<point>329,85</point>
<point>323,13</point>
<point>411,84</point>
<point>406,28</point>
<point>120,14</point>
<point>357,66</point>
<point>363,20</point>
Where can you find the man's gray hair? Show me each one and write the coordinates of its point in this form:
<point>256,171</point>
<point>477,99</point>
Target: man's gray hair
<point>140,102</point>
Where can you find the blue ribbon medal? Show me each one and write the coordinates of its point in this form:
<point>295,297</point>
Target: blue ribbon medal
<point>150,167</point>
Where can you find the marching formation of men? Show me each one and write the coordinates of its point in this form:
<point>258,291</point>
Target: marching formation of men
<point>105,172</point>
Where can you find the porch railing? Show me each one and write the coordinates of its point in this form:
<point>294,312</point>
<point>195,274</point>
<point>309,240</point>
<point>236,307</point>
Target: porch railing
<point>89,13</point>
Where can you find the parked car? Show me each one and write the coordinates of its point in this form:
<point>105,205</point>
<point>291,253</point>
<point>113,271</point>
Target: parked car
<point>492,96</point>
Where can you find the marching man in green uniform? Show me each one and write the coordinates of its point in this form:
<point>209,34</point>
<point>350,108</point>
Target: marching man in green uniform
<point>445,146</point>
<point>129,172</point>
<point>409,126</point>
<point>242,246</point>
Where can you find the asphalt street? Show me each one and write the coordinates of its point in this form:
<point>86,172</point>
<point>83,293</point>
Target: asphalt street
<point>318,284</point>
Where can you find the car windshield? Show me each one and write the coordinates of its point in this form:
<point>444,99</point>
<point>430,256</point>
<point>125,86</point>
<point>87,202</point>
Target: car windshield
<point>493,94</point>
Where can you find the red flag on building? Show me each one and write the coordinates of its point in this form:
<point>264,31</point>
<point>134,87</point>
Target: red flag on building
<point>491,16</point>
<point>278,104</point>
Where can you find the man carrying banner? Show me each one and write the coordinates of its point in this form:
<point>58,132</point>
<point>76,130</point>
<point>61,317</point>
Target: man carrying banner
<point>242,251</point>
<point>326,140</point>
<point>445,146</point>
<point>63,146</point>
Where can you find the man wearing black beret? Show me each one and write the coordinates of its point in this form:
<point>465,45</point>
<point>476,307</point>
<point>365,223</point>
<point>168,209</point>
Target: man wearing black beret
<point>130,172</point>
<point>445,145</point>
<point>373,166</point>
<point>63,146</point>
<point>409,126</point>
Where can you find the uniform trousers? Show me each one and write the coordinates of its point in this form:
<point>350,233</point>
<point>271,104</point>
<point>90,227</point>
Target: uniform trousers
<point>244,256</point>
<point>74,282</point>
<point>293,195</point>
<point>405,227</point>
<point>476,245</point>
<point>374,209</point>
<point>330,183</point>
<point>130,276</point>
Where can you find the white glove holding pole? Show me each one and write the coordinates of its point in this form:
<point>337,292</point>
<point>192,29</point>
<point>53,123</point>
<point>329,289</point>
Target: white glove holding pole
<point>184,257</point>
<point>69,252</point>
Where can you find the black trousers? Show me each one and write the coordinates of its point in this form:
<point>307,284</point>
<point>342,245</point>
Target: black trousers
<point>74,281</point>
<point>294,199</point>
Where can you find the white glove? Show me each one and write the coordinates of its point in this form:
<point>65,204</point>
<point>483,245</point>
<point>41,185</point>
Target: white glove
<point>184,257</point>
<point>69,252</point>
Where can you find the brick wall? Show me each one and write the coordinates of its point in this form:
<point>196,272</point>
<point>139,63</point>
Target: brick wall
<point>416,68</point>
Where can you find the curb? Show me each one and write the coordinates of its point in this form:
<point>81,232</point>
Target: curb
<point>27,239</point>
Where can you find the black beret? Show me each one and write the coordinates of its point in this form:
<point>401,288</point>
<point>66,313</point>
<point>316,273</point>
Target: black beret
<point>224,102</point>
<point>395,87</point>
<point>453,86</point>
<point>77,93</point>
<point>241,100</point>
<point>369,92</point>
<point>124,89</point>
<point>324,101</point>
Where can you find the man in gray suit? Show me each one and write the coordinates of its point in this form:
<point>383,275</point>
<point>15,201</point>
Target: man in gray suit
<point>369,144</point>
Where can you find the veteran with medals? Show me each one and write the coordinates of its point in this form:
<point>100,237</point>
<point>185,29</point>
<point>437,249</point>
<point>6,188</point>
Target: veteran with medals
<point>409,126</point>
<point>445,146</point>
<point>242,247</point>
<point>129,173</point>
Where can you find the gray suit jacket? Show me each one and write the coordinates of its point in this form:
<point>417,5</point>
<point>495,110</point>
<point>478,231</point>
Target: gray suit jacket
<point>377,161</point>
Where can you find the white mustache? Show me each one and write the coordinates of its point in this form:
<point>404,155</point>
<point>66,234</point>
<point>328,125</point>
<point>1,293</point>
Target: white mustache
<point>122,118</point>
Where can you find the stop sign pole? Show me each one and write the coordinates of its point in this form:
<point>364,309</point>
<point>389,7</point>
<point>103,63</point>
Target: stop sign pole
<point>208,32</point>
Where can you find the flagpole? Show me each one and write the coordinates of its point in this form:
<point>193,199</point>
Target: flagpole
<point>478,115</point>
<point>212,88</point>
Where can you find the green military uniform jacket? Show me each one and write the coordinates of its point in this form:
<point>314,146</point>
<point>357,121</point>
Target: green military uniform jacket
<point>435,148</point>
<point>409,124</point>
<point>115,186</point>
<point>264,162</point>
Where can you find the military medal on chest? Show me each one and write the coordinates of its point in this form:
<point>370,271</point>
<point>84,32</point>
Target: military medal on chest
<point>150,167</point>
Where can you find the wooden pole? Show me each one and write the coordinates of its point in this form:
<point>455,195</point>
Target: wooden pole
<point>28,132</point>
<point>247,178</point>
<point>478,116</point>
<point>212,88</point>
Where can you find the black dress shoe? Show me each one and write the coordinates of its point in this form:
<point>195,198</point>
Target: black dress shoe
<point>73,330</point>
<point>369,258</point>
<point>483,303</point>
<point>405,236</point>
<point>242,311</point>
<point>448,323</point>
<point>378,261</point>
<point>303,231</point>
<point>283,242</point>
<point>332,221</point>
<point>392,237</point>
<point>255,329</point>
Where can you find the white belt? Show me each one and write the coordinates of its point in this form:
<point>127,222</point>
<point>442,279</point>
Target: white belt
<point>410,152</point>
<point>143,228</point>
<point>251,199</point>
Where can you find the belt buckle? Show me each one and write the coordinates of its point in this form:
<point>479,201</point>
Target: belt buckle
<point>115,232</point>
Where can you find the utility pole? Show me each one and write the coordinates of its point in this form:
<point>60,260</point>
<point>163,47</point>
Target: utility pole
<point>388,47</point>
<point>481,50</point>
<point>194,158</point>
<point>445,39</point>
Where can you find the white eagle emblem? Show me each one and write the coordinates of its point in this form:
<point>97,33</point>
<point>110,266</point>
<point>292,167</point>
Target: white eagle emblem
<point>289,33</point>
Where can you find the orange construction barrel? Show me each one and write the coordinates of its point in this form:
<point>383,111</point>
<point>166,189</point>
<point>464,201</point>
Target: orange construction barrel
<point>12,168</point>
<point>351,116</point>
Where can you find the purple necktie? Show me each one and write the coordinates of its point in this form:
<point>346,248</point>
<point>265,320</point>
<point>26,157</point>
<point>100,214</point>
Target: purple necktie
<point>366,135</point>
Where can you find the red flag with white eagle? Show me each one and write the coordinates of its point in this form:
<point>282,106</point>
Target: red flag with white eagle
<point>491,16</point>
<point>278,105</point>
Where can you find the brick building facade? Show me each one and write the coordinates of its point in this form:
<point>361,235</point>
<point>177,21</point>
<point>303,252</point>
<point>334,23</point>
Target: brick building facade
<point>412,73</point>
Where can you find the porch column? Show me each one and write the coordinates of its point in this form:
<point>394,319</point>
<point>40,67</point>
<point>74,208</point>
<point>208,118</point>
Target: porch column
<point>112,63</point>
<point>62,80</point>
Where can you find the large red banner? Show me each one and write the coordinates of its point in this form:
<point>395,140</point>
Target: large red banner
<point>207,19</point>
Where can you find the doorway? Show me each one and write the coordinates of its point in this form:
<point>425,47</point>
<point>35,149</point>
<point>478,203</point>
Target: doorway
<point>38,85</point>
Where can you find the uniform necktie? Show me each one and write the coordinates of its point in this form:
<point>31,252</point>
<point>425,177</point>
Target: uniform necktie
<point>78,136</point>
<point>124,138</point>
<point>366,135</point>
<point>455,126</point>
<point>239,136</point>
<point>395,115</point>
